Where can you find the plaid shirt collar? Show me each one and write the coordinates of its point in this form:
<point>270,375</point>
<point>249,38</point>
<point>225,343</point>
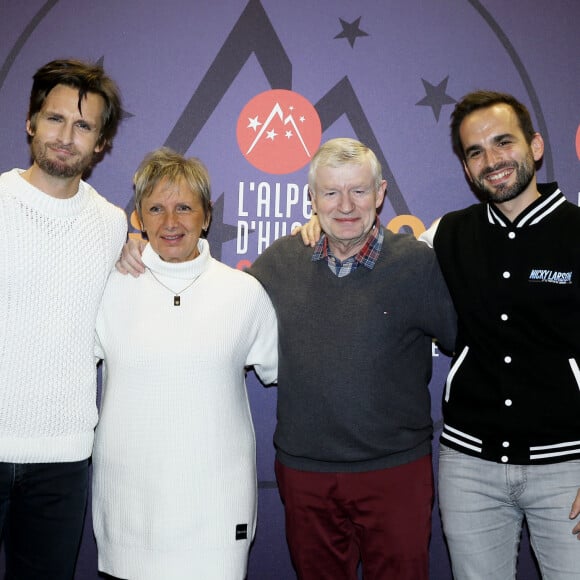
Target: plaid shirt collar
<point>367,255</point>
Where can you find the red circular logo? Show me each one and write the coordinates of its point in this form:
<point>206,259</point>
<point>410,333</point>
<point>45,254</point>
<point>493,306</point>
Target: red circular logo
<point>278,131</point>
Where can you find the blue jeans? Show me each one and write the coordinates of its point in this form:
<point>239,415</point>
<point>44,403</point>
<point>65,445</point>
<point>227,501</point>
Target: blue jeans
<point>483,505</point>
<point>42,510</point>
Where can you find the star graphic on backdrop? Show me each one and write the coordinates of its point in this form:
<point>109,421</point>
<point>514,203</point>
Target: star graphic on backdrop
<point>254,123</point>
<point>436,96</point>
<point>351,30</point>
<point>219,233</point>
<point>271,134</point>
<point>124,114</point>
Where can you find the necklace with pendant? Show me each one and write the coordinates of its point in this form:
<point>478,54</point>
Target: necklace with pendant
<point>176,295</point>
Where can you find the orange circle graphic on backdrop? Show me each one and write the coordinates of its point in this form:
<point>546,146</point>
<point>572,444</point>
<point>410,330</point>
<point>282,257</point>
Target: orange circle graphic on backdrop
<point>578,142</point>
<point>278,131</point>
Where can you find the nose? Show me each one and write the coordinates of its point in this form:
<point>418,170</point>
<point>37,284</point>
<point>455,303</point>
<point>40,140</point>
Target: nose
<point>346,204</point>
<point>170,220</point>
<point>66,133</point>
<point>491,157</point>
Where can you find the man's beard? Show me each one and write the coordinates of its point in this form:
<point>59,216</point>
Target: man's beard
<point>53,166</point>
<point>525,172</point>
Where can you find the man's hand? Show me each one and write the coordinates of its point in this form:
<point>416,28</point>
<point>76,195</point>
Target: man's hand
<point>575,512</point>
<point>130,260</point>
<point>310,231</point>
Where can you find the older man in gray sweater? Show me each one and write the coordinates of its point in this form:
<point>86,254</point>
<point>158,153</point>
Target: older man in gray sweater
<point>356,320</point>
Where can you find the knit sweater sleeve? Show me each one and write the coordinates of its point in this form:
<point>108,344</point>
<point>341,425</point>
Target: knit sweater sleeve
<point>114,221</point>
<point>263,353</point>
<point>440,316</point>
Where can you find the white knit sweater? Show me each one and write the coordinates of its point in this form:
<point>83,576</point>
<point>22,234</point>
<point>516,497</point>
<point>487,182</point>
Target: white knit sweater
<point>55,256</point>
<point>174,458</point>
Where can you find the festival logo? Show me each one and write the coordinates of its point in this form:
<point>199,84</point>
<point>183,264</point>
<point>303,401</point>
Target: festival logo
<point>278,131</point>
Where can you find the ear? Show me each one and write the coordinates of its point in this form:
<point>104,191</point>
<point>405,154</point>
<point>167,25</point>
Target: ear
<point>29,128</point>
<point>537,146</point>
<point>380,197</point>
<point>99,147</point>
<point>313,201</point>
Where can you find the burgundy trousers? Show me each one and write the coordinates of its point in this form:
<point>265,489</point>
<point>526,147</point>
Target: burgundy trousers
<point>336,520</point>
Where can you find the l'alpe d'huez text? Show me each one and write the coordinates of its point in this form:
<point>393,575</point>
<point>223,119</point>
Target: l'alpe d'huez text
<point>278,207</point>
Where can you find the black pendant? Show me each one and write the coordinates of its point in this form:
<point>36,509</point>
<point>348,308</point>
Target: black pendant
<point>177,300</point>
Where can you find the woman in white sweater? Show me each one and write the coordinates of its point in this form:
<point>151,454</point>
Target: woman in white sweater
<point>174,481</point>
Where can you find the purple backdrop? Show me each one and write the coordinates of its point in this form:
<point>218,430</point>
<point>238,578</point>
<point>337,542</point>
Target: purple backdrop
<point>386,73</point>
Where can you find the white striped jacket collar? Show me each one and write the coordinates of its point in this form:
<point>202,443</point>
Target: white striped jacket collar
<point>551,197</point>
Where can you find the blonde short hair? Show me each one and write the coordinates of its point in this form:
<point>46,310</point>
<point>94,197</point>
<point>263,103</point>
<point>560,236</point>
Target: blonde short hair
<point>164,163</point>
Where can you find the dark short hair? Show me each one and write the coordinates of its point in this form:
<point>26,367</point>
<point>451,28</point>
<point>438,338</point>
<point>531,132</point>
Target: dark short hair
<point>87,78</point>
<point>482,100</point>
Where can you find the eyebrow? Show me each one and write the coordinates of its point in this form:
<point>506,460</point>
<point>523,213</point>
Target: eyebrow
<point>496,139</point>
<point>499,138</point>
<point>57,113</point>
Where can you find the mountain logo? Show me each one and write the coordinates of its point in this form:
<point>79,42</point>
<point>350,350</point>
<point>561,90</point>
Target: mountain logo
<point>278,131</point>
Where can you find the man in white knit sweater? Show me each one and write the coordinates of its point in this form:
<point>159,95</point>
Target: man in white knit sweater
<point>58,241</point>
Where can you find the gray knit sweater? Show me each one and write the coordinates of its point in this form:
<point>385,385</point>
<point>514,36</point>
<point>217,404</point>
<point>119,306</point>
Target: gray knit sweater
<point>355,354</point>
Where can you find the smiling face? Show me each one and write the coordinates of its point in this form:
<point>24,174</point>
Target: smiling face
<point>346,200</point>
<point>64,139</point>
<point>173,218</point>
<point>499,161</point>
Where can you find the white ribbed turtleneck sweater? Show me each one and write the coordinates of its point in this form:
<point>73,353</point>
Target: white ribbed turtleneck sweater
<point>174,477</point>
